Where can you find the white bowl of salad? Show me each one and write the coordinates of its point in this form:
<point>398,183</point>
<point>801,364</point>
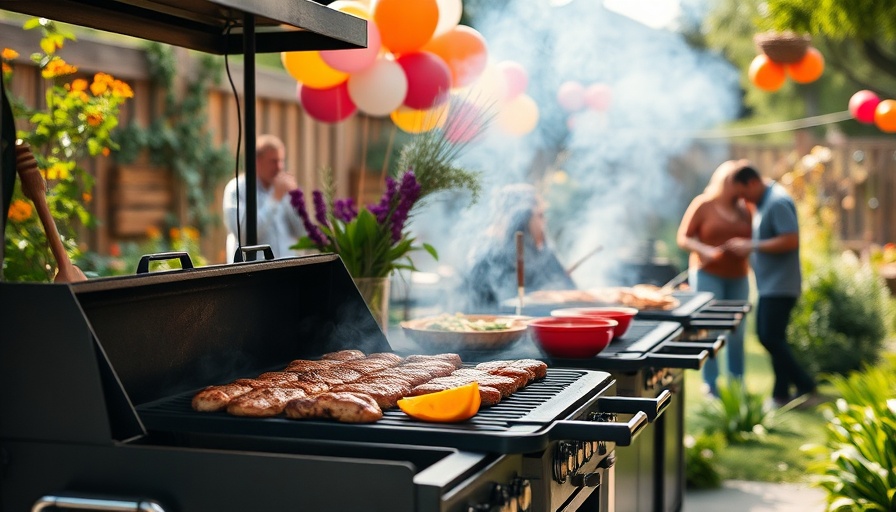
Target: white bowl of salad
<point>466,332</point>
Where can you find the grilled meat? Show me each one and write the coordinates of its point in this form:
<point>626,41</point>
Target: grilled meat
<point>434,367</point>
<point>454,359</point>
<point>345,407</point>
<point>488,395</point>
<point>301,365</point>
<point>263,402</point>
<point>216,398</point>
<point>343,355</point>
<point>386,393</point>
<point>535,368</point>
<point>389,356</point>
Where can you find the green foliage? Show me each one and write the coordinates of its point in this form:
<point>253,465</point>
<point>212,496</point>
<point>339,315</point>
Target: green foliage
<point>739,415</point>
<point>841,19</point>
<point>78,121</point>
<point>840,322</point>
<point>857,463</point>
<point>179,140</point>
<point>125,256</point>
<point>701,460</point>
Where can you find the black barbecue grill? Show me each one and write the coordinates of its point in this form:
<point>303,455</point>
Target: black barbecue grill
<point>96,402</point>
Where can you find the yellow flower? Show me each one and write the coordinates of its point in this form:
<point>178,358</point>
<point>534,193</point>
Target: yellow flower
<point>57,67</point>
<point>98,87</point>
<point>6,68</point>
<point>106,151</point>
<point>8,54</point>
<point>87,197</point>
<point>57,171</point>
<point>191,233</point>
<point>20,210</point>
<point>174,234</point>
<point>153,233</point>
<point>78,85</point>
<point>122,89</point>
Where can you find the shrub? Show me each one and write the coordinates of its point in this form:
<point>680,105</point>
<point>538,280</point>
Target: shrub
<point>739,415</point>
<point>857,465</point>
<point>701,463</point>
<point>840,322</point>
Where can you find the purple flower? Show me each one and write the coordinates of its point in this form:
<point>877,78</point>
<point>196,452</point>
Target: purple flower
<point>297,200</point>
<point>382,210</point>
<point>320,208</point>
<point>345,210</point>
<point>408,194</point>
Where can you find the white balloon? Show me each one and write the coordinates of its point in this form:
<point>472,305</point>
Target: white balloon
<point>379,89</point>
<point>518,116</point>
<point>450,12</point>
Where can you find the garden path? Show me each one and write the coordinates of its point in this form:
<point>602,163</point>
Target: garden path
<point>743,496</point>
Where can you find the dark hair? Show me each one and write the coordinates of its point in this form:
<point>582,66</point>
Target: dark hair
<point>745,175</point>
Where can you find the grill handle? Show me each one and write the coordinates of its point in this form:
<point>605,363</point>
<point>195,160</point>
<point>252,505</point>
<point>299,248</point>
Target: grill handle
<point>242,251</point>
<point>610,431</point>
<point>675,354</point>
<point>143,265</point>
<point>713,345</point>
<point>652,407</point>
<point>75,501</point>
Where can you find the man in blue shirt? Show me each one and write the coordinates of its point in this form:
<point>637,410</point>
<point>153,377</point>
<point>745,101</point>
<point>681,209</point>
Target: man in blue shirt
<point>774,253</point>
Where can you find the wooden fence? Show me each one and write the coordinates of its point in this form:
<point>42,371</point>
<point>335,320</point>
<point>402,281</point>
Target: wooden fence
<point>130,198</point>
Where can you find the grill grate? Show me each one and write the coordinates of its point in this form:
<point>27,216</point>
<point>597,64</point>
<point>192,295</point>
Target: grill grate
<point>515,425</point>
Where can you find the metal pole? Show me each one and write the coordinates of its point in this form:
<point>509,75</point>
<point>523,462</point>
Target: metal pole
<point>249,124</point>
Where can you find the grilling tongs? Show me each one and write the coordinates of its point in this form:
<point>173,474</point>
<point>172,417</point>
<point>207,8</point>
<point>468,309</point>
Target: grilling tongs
<point>35,188</point>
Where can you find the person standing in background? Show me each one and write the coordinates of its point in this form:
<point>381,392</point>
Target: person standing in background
<point>278,223</point>
<point>774,251</point>
<point>712,219</point>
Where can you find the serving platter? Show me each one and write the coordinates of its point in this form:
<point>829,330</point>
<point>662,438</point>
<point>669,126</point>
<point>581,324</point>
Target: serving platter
<point>427,333</point>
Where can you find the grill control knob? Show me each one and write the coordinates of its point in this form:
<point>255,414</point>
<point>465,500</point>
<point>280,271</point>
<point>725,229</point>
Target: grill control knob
<point>562,461</point>
<point>586,480</point>
<point>580,453</point>
<point>521,488</point>
<point>589,449</point>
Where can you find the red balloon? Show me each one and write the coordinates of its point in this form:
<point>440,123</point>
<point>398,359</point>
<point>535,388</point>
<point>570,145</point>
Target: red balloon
<point>327,105</point>
<point>429,80</point>
<point>862,105</point>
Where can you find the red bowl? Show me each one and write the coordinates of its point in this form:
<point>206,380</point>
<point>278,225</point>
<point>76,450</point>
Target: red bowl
<point>573,337</point>
<point>622,315</point>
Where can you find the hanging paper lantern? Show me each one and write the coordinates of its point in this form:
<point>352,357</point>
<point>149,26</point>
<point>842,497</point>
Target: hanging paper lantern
<point>463,49</point>
<point>406,25</point>
<point>419,121</point>
<point>515,76</point>
<point>518,116</point>
<point>571,96</point>
<point>808,69</point>
<point>311,70</point>
<point>598,96</point>
<point>327,105</point>
<point>428,79</point>
<point>379,89</point>
<point>352,61</point>
<point>862,105</point>
<point>766,74</point>
<point>885,116</point>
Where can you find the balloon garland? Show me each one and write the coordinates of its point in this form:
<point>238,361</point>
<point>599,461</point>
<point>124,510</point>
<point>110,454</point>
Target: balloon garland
<point>784,55</point>
<point>866,107</point>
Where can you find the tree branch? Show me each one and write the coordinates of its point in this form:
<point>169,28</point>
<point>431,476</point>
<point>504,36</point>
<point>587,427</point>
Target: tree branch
<point>881,60</point>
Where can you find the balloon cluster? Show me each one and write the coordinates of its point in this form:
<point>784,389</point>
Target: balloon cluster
<point>866,107</point>
<point>574,97</point>
<point>770,75</point>
<point>416,54</point>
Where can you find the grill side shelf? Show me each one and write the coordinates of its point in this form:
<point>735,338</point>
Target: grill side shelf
<point>519,424</point>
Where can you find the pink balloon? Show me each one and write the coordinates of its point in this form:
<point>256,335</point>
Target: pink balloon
<point>515,76</point>
<point>429,80</point>
<point>598,97</point>
<point>465,122</point>
<point>571,96</point>
<point>351,61</point>
<point>327,105</point>
<point>862,106</point>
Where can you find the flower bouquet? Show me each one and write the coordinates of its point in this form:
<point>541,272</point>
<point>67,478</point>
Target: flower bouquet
<point>374,240</point>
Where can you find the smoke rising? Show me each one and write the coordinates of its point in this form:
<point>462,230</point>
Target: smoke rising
<point>606,174</point>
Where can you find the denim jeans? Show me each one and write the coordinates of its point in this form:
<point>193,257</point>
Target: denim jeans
<point>725,288</point>
<point>772,317</point>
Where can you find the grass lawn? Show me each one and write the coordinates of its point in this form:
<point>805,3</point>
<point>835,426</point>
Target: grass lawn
<point>777,457</point>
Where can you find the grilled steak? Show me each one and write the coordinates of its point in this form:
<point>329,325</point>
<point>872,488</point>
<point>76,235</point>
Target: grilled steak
<point>345,407</point>
<point>216,398</point>
<point>263,402</point>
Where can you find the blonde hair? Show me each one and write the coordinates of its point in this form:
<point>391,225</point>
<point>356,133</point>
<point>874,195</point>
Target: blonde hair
<point>267,142</point>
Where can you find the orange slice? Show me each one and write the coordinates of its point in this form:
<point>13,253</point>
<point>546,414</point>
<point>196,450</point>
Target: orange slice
<point>451,405</point>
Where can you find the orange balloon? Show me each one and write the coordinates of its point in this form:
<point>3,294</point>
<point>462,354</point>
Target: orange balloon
<point>766,74</point>
<point>463,49</point>
<point>310,69</point>
<point>885,116</point>
<point>406,25</point>
<point>808,69</point>
<point>419,121</point>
